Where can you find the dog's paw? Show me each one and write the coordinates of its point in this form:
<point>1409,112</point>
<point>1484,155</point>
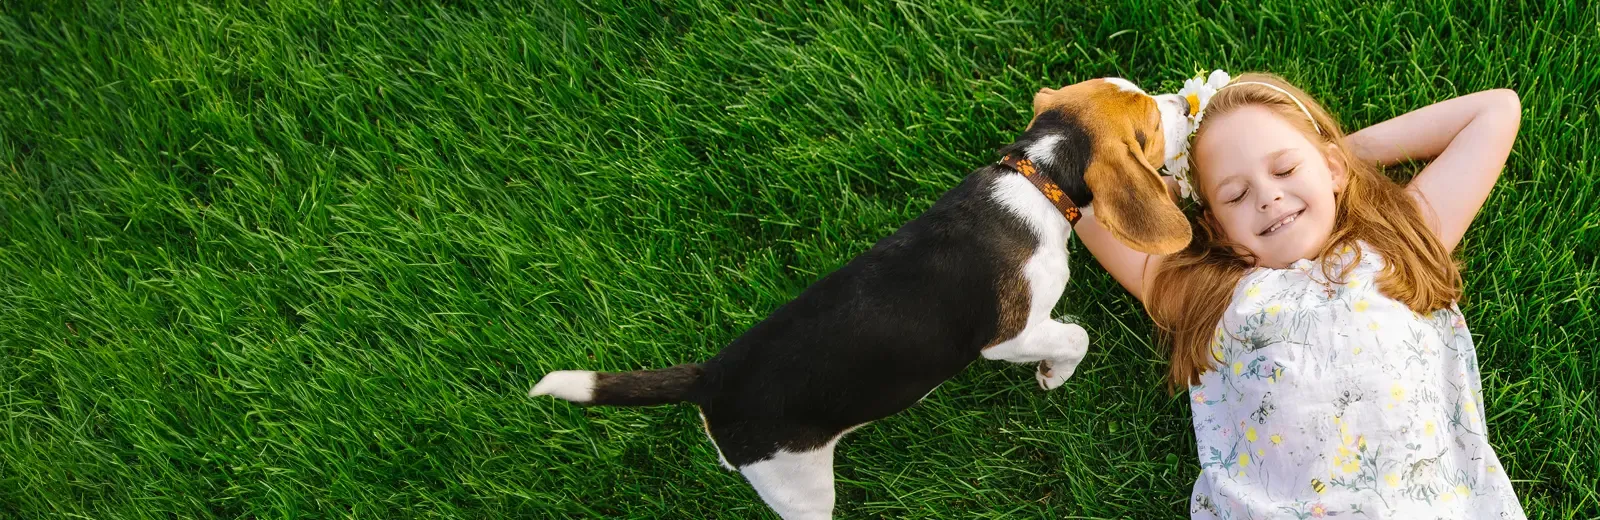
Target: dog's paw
<point>1074,344</point>
<point>1051,376</point>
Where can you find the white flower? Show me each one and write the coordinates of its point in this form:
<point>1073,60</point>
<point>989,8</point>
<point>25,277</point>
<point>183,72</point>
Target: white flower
<point>1178,168</point>
<point>1198,91</point>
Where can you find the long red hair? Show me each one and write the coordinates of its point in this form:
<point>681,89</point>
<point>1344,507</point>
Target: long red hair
<point>1197,283</point>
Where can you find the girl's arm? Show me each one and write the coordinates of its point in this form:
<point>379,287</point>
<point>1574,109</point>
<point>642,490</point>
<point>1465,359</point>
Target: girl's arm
<point>1128,266</point>
<point>1468,138</point>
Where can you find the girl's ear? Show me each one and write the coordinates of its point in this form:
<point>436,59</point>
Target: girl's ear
<point>1337,165</point>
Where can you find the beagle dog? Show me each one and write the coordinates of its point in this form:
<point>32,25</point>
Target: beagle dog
<point>976,275</point>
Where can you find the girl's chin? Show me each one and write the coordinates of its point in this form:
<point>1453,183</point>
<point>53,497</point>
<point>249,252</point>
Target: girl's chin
<point>1283,261</point>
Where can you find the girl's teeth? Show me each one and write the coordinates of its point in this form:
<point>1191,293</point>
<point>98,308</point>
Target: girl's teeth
<point>1285,222</point>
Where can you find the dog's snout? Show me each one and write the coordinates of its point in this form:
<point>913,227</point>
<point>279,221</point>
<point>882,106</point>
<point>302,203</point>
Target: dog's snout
<point>1178,102</point>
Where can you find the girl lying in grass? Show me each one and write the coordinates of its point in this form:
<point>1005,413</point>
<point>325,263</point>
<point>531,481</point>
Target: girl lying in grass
<point>1313,317</point>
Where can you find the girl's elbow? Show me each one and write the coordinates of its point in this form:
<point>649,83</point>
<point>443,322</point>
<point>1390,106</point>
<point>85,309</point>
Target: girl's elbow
<point>1507,100</point>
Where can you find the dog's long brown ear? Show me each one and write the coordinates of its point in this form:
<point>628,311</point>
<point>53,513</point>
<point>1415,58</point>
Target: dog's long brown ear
<point>1133,203</point>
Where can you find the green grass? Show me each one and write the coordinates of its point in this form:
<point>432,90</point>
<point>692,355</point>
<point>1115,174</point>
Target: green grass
<point>305,258</point>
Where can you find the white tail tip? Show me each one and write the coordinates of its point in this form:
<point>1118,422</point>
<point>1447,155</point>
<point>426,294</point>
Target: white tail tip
<point>573,385</point>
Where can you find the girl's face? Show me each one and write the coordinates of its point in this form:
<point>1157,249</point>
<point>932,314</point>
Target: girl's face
<point>1270,188</point>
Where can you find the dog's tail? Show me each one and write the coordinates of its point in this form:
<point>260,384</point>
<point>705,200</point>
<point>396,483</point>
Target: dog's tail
<point>637,388</point>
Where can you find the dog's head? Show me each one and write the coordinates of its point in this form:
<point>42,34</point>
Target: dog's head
<point>1121,133</point>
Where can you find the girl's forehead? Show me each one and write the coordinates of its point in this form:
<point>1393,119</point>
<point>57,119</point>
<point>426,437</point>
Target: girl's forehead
<point>1244,140</point>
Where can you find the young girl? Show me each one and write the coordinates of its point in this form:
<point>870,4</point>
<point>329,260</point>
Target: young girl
<point>1313,317</point>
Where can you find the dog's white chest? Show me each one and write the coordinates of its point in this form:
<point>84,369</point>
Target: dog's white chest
<point>1047,275</point>
<point>1046,269</point>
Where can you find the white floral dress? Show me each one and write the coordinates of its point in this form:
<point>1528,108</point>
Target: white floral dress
<point>1332,400</point>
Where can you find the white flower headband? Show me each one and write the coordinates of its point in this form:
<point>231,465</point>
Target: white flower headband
<point>1198,92</point>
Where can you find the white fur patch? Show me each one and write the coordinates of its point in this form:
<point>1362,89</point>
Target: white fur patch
<point>1060,345</point>
<point>1175,126</point>
<point>1125,85</point>
<point>1026,202</point>
<point>573,385</point>
<point>1047,274</point>
<point>1043,151</point>
<point>797,485</point>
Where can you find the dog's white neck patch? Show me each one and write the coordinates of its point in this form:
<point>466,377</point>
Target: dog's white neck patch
<point>1125,85</point>
<point>1043,151</point>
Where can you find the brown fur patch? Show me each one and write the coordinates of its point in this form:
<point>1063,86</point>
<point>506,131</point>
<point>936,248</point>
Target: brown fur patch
<point>646,387</point>
<point>1016,299</point>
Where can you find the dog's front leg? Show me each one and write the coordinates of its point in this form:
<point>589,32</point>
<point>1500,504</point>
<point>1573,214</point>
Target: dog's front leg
<point>1057,346</point>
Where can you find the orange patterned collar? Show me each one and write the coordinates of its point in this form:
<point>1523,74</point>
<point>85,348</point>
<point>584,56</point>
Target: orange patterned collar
<point>1063,203</point>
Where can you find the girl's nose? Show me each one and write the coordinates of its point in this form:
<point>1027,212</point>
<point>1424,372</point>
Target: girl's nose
<point>1268,202</point>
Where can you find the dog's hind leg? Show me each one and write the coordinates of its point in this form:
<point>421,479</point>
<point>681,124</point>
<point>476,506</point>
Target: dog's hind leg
<point>798,485</point>
<point>1057,346</point>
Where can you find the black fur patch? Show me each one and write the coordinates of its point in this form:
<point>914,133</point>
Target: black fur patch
<point>1071,155</point>
<point>870,339</point>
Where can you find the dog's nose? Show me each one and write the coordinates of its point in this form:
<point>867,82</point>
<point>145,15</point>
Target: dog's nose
<point>1179,102</point>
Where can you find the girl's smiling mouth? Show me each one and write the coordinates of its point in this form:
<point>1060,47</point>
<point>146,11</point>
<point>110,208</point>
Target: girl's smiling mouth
<point>1281,223</point>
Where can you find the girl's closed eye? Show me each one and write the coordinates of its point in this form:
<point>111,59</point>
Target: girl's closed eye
<point>1236,198</point>
<point>1287,172</point>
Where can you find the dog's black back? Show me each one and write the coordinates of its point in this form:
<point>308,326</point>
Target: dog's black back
<point>874,336</point>
<point>953,284</point>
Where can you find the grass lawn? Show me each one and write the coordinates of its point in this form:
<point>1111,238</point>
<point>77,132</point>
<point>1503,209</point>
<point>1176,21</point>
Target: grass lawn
<point>304,258</point>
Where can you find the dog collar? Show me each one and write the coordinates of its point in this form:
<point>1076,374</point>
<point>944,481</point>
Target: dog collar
<point>1063,203</point>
